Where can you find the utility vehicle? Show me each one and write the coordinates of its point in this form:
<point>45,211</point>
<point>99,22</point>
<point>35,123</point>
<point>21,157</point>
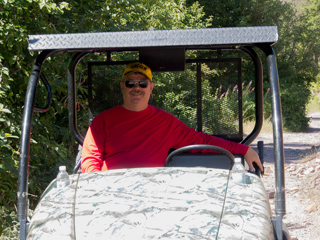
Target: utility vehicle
<point>201,76</point>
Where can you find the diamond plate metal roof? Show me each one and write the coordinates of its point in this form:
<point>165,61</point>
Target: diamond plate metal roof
<point>155,38</point>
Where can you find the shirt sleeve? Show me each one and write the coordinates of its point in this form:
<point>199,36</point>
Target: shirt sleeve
<point>93,147</point>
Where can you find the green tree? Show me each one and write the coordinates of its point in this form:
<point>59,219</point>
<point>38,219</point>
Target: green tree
<point>310,23</point>
<point>16,22</point>
<point>294,50</point>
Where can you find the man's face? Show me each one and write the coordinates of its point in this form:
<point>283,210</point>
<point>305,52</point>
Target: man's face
<point>136,98</point>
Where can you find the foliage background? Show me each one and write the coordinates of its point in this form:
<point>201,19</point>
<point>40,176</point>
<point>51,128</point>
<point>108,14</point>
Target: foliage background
<point>52,145</point>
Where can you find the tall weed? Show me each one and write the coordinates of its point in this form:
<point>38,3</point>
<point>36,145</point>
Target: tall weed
<point>9,226</point>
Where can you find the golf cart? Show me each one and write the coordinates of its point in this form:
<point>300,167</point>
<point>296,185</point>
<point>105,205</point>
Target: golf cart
<point>199,78</point>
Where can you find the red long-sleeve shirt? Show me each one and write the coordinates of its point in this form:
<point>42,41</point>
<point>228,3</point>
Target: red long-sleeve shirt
<point>120,138</point>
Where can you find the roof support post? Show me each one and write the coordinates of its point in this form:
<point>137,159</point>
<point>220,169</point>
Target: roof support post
<point>25,150</point>
<point>72,97</point>
<point>280,206</point>
<point>24,158</point>
<point>199,98</point>
<point>258,94</point>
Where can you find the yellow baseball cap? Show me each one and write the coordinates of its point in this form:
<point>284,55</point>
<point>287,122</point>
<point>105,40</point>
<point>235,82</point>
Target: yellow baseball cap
<point>138,67</point>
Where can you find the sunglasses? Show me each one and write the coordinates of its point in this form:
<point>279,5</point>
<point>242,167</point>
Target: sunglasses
<point>132,83</point>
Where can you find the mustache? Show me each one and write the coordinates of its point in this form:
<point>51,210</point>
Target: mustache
<point>136,91</point>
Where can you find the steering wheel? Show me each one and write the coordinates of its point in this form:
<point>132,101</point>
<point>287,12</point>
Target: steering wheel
<point>198,147</point>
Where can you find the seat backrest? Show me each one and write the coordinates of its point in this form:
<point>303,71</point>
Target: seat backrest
<point>208,160</point>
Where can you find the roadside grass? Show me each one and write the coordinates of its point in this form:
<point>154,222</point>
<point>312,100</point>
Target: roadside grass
<point>266,127</point>
<point>314,104</point>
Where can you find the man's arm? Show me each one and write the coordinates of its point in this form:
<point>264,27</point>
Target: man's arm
<point>188,136</point>
<point>251,156</point>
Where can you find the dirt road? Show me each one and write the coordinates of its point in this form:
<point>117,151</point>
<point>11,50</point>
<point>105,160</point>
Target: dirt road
<point>302,179</point>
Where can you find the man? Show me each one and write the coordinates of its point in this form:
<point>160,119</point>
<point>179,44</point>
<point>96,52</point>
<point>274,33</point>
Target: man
<point>136,134</point>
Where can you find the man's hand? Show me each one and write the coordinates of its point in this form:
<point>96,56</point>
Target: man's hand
<point>251,157</point>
